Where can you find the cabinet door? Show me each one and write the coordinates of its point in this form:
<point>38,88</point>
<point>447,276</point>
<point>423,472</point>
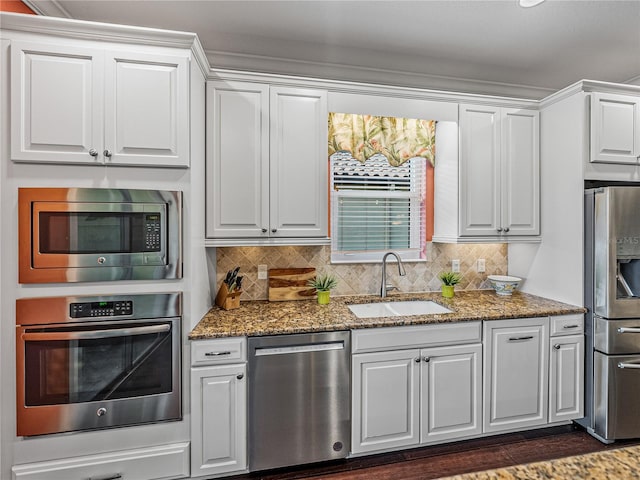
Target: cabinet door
<point>56,103</point>
<point>566,382</point>
<point>515,374</point>
<point>299,163</point>
<point>237,160</point>
<point>615,128</point>
<point>146,110</point>
<point>385,404</point>
<point>520,172</point>
<point>451,392</point>
<point>218,420</point>
<point>479,170</point>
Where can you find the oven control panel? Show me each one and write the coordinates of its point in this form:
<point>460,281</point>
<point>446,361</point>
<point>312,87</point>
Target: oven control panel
<point>101,309</point>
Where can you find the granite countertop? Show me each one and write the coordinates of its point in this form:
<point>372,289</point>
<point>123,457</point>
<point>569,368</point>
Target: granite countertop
<point>618,464</point>
<point>256,318</point>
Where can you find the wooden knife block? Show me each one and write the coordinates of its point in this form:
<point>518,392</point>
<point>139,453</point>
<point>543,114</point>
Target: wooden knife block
<point>226,300</point>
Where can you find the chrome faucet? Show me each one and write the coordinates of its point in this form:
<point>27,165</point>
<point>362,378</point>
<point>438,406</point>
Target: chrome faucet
<point>383,285</point>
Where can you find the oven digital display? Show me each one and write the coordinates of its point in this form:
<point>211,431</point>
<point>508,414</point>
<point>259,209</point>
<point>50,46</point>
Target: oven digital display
<point>101,309</point>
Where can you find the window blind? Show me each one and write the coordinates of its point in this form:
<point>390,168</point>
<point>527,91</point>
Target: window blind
<point>376,208</point>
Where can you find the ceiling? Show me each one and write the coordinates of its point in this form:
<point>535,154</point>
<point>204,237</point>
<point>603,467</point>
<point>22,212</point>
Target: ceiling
<point>477,46</point>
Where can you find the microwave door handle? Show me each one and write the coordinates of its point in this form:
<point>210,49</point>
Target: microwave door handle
<point>95,334</point>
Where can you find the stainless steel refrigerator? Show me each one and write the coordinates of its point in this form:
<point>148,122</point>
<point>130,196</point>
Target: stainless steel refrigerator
<point>612,297</point>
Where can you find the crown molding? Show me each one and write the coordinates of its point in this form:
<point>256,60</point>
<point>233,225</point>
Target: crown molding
<point>351,73</point>
<point>106,32</point>
<point>589,86</point>
<point>49,8</point>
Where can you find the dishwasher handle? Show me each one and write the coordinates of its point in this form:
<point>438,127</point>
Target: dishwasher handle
<point>302,348</point>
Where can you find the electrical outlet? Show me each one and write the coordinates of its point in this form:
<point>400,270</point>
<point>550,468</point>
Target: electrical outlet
<point>262,272</point>
<point>481,265</point>
<point>455,265</point>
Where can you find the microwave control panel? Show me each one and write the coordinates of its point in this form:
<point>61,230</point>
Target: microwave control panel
<point>101,309</point>
<point>152,231</point>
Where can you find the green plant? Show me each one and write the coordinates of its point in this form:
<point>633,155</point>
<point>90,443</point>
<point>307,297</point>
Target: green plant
<point>449,278</point>
<point>323,283</point>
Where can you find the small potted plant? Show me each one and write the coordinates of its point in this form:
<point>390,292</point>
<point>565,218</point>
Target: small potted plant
<point>323,284</point>
<point>449,280</point>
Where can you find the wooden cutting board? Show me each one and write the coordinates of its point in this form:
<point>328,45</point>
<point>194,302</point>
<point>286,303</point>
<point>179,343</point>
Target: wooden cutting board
<point>290,284</point>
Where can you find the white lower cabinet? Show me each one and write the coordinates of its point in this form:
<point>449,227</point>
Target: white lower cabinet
<point>515,373</point>
<point>415,396</point>
<point>386,395</point>
<point>218,409</point>
<point>566,368</point>
<point>165,462</point>
<point>451,392</point>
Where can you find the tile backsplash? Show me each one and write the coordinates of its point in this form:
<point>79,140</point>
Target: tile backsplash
<point>363,278</point>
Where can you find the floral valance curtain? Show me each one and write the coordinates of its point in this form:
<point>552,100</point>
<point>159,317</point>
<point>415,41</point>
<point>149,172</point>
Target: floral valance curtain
<point>398,139</point>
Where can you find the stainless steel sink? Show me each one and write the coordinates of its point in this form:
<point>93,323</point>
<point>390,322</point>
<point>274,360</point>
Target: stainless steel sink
<point>397,309</point>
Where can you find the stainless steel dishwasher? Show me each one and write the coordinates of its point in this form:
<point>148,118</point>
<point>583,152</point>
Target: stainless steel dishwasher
<point>299,399</point>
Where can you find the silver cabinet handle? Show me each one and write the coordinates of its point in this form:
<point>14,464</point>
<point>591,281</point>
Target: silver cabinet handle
<point>557,346</point>
<point>93,152</point>
<point>112,476</point>
<point>628,330</point>
<point>499,229</point>
<point>629,365</point>
<point>426,359</point>
<point>515,339</point>
<point>107,153</point>
<point>264,230</point>
<point>506,229</point>
<point>216,354</point>
<point>570,326</point>
<point>93,334</point>
<point>417,359</point>
<point>240,376</point>
<point>274,230</point>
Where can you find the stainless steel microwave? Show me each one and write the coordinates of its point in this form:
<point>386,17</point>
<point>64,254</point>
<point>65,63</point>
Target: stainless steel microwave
<point>97,234</point>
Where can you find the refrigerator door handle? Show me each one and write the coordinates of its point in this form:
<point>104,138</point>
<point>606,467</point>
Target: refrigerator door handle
<point>628,330</point>
<point>629,365</point>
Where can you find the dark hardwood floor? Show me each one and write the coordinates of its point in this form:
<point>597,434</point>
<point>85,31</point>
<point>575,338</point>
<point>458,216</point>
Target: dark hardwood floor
<point>455,458</point>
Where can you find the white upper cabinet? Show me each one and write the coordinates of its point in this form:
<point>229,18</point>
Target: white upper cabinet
<point>267,169</point>
<point>615,128</point>
<point>147,109</point>
<point>499,172</point>
<point>56,103</point>
<point>72,104</point>
<point>299,164</point>
<point>237,159</point>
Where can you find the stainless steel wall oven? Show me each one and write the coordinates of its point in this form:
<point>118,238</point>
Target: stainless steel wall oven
<point>97,362</point>
<point>97,234</point>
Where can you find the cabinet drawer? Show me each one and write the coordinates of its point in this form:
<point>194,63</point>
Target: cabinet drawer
<point>418,336</point>
<point>155,463</point>
<point>567,325</point>
<point>213,352</point>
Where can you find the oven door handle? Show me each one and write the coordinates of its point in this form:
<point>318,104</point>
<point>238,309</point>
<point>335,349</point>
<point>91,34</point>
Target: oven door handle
<point>635,365</point>
<point>95,334</point>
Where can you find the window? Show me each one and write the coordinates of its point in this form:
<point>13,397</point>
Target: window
<point>376,207</point>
